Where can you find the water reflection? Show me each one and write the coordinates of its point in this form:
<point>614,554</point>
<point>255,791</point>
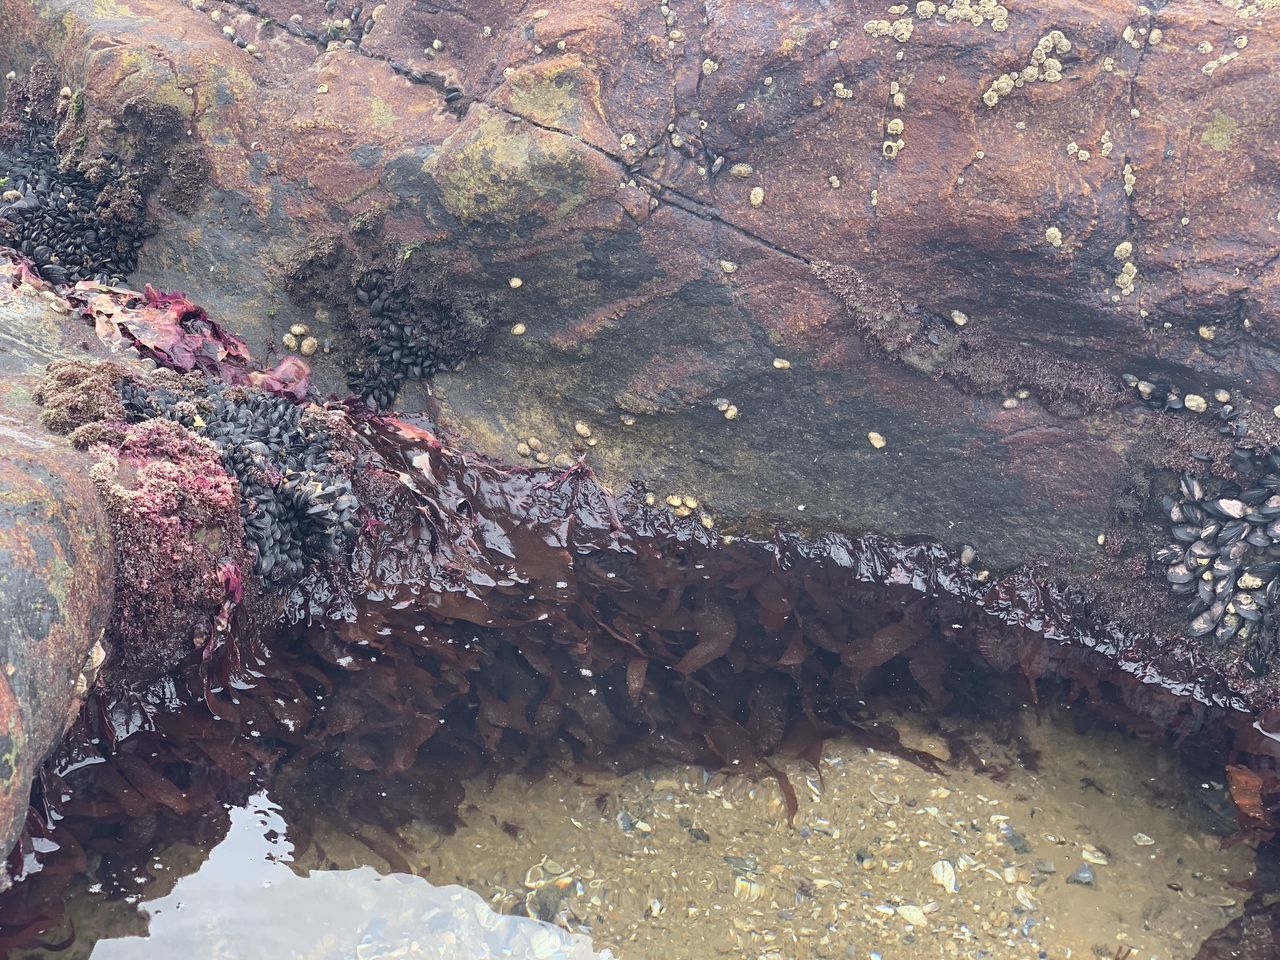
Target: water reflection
<point>245,902</point>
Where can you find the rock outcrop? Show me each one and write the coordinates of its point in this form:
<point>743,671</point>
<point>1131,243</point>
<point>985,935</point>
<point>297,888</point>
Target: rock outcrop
<point>56,586</point>
<point>992,276</point>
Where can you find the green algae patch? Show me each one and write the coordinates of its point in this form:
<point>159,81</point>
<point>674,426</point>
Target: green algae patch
<point>1221,132</point>
<point>382,115</point>
<point>501,172</point>
<point>549,97</point>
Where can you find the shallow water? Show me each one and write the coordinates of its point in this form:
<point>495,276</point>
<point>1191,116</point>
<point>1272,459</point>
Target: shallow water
<point>883,859</point>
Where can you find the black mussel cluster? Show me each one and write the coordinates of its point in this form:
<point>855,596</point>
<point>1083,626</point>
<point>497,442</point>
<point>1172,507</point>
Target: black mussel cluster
<point>52,215</point>
<point>297,507</point>
<point>406,339</point>
<point>1225,559</point>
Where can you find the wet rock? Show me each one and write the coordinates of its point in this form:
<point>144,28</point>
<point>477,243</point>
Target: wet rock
<point>55,563</point>
<point>517,152</point>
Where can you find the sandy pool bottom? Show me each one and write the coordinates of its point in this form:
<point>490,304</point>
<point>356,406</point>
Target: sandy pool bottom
<point>1032,842</point>
<point>1105,849</point>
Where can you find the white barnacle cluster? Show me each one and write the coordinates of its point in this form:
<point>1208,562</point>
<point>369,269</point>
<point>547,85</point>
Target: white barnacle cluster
<point>1107,144</point>
<point>1128,272</point>
<point>896,96</point>
<point>893,142</point>
<point>1040,66</point>
<point>1079,153</point>
<point>1209,68</point>
<point>1246,10</point>
<point>899,29</point>
<point>963,11</point>
<point>841,91</point>
<point>1130,180</point>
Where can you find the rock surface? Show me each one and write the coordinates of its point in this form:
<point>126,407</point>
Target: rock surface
<point>55,562</point>
<point>581,153</point>
<point>830,265</point>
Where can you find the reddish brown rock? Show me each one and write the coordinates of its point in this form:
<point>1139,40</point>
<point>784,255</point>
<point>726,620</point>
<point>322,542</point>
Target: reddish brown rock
<point>55,561</point>
<point>608,157</point>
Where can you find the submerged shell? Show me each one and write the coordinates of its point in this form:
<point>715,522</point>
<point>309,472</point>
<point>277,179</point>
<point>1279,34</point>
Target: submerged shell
<point>944,875</point>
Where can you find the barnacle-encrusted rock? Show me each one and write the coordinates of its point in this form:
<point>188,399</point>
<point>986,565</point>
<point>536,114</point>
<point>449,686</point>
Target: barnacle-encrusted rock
<point>505,153</point>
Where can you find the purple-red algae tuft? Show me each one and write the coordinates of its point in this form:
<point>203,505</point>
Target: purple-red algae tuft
<point>175,519</point>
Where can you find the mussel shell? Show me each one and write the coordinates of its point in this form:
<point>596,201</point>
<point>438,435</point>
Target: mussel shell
<point>1206,621</point>
<point>1226,629</point>
<point>1202,550</point>
<point>1223,568</point>
<point>1227,508</point>
<point>1264,571</point>
<point>1235,551</point>
<point>1232,531</point>
<point>1179,573</point>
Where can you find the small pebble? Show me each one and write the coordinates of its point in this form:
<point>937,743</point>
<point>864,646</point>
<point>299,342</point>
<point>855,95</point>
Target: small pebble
<point>780,364</point>
<point>515,283</point>
<point>1083,876</point>
<point>876,440</point>
<point>581,429</point>
<point>1195,403</point>
<point>563,461</point>
<point>731,412</point>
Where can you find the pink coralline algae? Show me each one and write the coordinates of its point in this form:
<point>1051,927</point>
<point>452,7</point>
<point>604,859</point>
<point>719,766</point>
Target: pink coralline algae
<point>179,544</point>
